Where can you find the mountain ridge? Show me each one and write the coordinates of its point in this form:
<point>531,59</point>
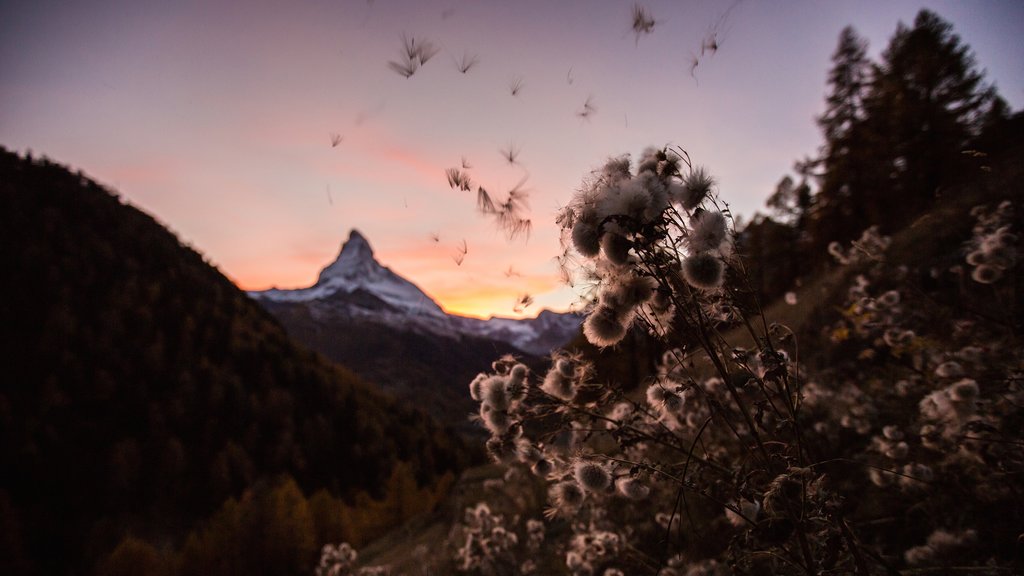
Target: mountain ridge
<point>356,285</point>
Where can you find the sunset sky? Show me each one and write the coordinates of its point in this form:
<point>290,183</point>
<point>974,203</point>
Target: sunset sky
<point>216,117</point>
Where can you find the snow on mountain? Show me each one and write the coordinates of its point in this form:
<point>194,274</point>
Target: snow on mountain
<point>356,269</point>
<point>356,285</point>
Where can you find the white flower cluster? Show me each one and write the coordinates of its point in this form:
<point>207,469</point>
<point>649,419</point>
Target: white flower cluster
<point>645,235</point>
<point>488,547</point>
<point>340,560</point>
<point>590,550</point>
<point>993,249</point>
<point>870,246</point>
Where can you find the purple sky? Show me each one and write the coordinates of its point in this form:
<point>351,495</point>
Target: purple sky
<point>216,117</point>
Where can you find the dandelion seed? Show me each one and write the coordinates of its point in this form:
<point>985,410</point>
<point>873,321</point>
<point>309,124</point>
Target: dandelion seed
<point>467,62</point>
<point>710,44</point>
<point>336,139</point>
<point>694,62</point>
<point>458,179</point>
<point>643,23</point>
<point>511,153</point>
<point>522,303</point>
<point>588,109</point>
<point>515,85</point>
<point>414,54</point>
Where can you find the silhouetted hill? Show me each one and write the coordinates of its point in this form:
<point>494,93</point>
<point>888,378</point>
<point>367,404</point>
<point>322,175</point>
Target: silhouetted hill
<point>431,370</point>
<point>142,389</point>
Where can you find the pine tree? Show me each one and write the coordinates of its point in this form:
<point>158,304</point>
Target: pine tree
<point>839,211</point>
<point>926,102</point>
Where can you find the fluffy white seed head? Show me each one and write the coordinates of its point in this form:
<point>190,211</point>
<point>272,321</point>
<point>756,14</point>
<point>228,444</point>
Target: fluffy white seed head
<point>605,326</point>
<point>567,496</point>
<point>632,488</point>
<point>474,386</point>
<point>494,392</point>
<point>616,248</point>
<point>965,390</point>
<point>697,185</point>
<point>986,274</point>
<point>558,384</point>
<point>585,238</point>
<point>708,231</point>
<point>591,476</point>
<point>703,271</point>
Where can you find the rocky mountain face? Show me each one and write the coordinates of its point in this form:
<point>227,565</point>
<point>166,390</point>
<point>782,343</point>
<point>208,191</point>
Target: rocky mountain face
<point>355,286</point>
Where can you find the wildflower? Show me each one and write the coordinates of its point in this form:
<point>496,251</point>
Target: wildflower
<point>496,421</point>
<point>747,512</point>
<point>557,384</point>
<point>791,298</point>
<point>897,451</point>
<point>475,386</point>
<point>542,467</point>
<point>708,231</point>
<point>964,390</point>
<point>889,299</point>
<point>604,327</point>
<point>566,496</point>
<point>591,476</point>
<point>494,392</point>
<point>585,238</point>
<point>703,271</point>
<point>502,449</point>
<point>632,488</point>
<point>986,274</point>
<point>697,186</point>
<point>949,369</point>
<point>892,432</point>
<point>616,248</point>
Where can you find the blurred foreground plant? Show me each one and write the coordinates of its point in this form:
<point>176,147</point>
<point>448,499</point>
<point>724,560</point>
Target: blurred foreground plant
<point>729,461</point>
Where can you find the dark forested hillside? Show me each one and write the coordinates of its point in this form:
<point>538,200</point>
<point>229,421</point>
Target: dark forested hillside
<point>429,370</point>
<point>142,390</point>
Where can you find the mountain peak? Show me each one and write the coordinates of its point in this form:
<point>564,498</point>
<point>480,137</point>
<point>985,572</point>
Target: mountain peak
<point>355,259</point>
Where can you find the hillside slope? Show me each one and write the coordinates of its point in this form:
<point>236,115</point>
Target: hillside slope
<point>142,389</point>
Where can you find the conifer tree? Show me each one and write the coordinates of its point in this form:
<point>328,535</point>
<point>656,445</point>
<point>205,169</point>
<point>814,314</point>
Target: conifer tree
<point>926,102</point>
<point>839,211</point>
